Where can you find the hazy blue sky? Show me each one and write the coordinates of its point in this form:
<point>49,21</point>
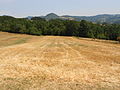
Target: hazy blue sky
<point>21,8</point>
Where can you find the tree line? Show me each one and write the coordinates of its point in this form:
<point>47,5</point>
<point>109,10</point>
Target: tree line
<point>39,26</point>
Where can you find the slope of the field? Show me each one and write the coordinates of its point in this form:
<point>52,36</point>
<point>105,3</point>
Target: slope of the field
<point>57,63</point>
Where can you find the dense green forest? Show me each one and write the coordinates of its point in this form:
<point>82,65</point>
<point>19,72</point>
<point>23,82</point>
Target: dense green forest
<point>40,26</point>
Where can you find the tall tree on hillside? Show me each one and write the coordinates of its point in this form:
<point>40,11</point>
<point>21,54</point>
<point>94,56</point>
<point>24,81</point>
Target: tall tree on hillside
<point>84,28</point>
<point>57,27</point>
<point>41,25</point>
<point>72,28</point>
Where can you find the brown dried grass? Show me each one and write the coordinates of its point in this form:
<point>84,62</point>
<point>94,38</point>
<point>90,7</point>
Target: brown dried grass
<point>58,63</point>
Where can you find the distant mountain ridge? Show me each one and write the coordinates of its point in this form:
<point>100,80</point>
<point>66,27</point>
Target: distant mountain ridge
<point>55,16</point>
<point>102,18</point>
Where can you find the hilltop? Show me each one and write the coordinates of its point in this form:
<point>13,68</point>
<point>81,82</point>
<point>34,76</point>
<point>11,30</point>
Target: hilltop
<point>58,63</point>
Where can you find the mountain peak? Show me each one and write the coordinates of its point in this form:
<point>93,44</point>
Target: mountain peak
<point>51,16</point>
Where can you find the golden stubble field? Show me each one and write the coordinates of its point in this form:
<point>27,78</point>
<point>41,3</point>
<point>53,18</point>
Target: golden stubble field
<point>58,63</point>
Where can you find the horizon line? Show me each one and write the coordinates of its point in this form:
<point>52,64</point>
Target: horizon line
<point>60,15</point>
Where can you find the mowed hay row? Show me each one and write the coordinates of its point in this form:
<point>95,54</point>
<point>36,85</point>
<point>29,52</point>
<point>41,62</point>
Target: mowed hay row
<point>59,63</point>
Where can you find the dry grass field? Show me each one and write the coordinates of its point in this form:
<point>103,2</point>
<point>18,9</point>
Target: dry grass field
<point>58,63</point>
